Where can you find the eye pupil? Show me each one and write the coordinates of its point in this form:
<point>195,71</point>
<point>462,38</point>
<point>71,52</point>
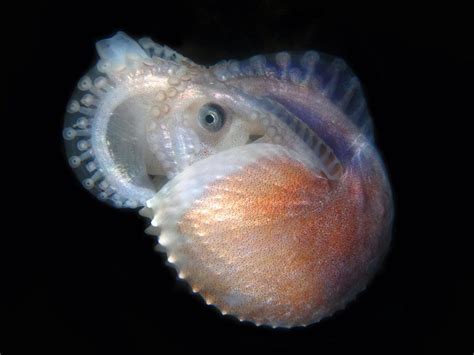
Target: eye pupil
<point>211,117</point>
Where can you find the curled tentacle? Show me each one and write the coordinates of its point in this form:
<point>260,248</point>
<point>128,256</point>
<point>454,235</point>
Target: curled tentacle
<point>260,177</point>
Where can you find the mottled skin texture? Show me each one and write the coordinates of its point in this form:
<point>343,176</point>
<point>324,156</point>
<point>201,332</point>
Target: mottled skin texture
<point>278,244</point>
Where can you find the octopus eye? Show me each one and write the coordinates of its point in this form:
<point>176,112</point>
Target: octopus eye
<point>211,117</point>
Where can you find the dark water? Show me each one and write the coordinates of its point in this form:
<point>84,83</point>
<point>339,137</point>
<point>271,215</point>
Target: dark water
<point>84,279</point>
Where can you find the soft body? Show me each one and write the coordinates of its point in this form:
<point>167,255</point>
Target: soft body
<point>260,177</point>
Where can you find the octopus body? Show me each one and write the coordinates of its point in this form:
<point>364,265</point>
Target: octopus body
<point>260,177</point>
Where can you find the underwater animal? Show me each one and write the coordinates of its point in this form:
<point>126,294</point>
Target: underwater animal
<point>260,177</point>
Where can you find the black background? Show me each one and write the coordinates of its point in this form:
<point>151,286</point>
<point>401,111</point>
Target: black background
<point>84,278</point>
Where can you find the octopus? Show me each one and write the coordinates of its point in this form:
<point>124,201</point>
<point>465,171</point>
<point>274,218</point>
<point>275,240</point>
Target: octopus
<point>260,177</point>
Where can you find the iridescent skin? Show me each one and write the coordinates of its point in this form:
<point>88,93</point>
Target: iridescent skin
<point>281,230</point>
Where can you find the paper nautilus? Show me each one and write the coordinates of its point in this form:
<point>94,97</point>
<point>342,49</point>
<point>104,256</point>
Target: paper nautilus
<point>260,177</point>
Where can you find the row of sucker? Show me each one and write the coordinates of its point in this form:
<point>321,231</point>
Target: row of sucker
<point>156,50</point>
<point>314,70</point>
<point>77,134</point>
<point>160,137</point>
<point>283,128</point>
<point>82,107</point>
